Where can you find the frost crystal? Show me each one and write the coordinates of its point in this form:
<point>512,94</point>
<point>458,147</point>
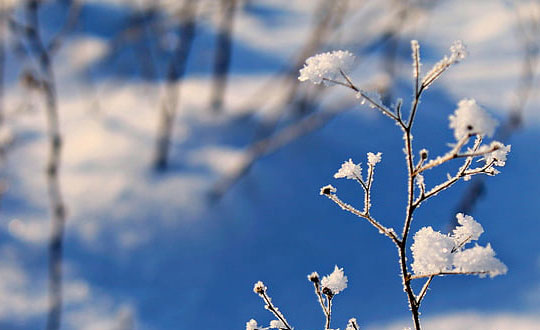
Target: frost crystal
<point>259,287</point>
<point>336,282</point>
<point>326,66</point>
<point>458,51</point>
<point>432,252</point>
<point>467,231</point>
<point>252,325</point>
<point>277,324</point>
<point>349,170</point>
<point>373,158</point>
<point>313,277</point>
<point>352,324</point>
<point>498,157</point>
<point>469,118</point>
<point>479,259</point>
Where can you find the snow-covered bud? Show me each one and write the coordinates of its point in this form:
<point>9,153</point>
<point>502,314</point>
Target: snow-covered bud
<point>336,282</point>
<point>252,325</point>
<point>423,154</point>
<point>328,292</point>
<point>259,288</point>
<point>374,158</point>
<point>469,119</point>
<point>326,66</point>
<point>352,324</point>
<point>314,277</point>
<point>327,190</point>
<point>349,170</point>
<point>277,324</point>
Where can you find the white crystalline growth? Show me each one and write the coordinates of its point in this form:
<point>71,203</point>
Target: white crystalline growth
<point>458,51</point>
<point>498,157</point>
<point>252,325</point>
<point>480,260</point>
<point>277,324</point>
<point>470,118</point>
<point>373,158</point>
<point>467,231</point>
<point>432,252</point>
<point>349,170</point>
<point>326,66</point>
<point>336,282</point>
<point>352,324</point>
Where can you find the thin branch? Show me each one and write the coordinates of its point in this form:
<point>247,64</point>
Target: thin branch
<point>415,277</point>
<point>270,306</point>
<point>424,290</point>
<point>382,229</point>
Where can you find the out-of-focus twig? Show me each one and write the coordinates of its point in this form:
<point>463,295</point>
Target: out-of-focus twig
<point>44,80</point>
<point>222,53</point>
<point>176,71</point>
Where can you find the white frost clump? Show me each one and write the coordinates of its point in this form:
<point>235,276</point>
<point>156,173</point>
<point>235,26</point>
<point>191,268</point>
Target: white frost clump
<point>498,157</point>
<point>326,66</point>
<point>468,230</point>
<point>458,51</point>
<point>336,282</point>
<point>432,252</point>
<point>479,259</point>
<point>352,324</point>
<point>252,325</point>
<point>373,158</point>
<point>349,170</point>
<point>470,118</point>
<point>277,324</point>
<point>259,287</point>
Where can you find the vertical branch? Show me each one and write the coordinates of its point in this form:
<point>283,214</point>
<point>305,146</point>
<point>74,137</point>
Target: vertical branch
<point>222,53</point>
<point>3,34</point>
<point>176,71</point>
<point>41,52</point>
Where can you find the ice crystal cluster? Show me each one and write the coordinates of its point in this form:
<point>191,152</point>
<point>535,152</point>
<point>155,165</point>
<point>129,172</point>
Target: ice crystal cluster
<point>349,170</point>
<point>469,119</point>
<point>336,282</point>
<point>436,253</point>
<point>326,67</point>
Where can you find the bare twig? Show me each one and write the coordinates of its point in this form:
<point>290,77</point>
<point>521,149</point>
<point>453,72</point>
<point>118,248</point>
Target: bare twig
<point>223,53</point>
<point>177,68</point>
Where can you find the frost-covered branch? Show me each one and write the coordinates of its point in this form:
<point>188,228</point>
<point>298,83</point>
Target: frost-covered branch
<point>330,192</point>
<point>434,254</point>
<point>260,289</point>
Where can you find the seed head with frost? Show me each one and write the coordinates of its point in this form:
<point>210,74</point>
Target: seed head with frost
<point>374,158</point>
<point>352,324</point>
<point>349,170</point>
<point>259,287</point>
<point>277,324</point>
<point>252,325</point>
<point>326,66</point>
<point>469,118</point>
<point>336,282</point>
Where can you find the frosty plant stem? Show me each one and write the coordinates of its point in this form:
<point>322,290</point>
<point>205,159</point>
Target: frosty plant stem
<point>435,254</point>
<point>468,121</point>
